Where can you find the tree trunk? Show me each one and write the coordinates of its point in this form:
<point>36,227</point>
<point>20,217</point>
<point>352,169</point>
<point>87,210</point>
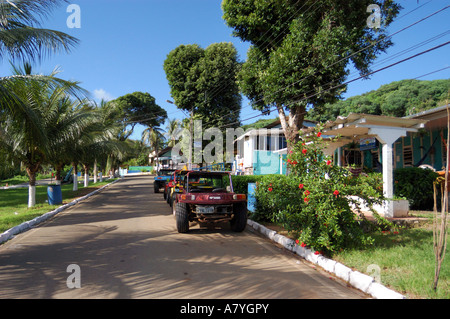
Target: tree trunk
<point>75,177</point>
<point>58,169</point>
<point>292,124</point>
<point>95,171</point>
<point>31,171</point>
<point>440,230</point>
<point>86,175</point>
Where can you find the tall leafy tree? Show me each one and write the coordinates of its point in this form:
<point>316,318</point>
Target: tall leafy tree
<point>301,51</point>
<point>137,108</point>
<point>203,81</point>
<point>182,72</point>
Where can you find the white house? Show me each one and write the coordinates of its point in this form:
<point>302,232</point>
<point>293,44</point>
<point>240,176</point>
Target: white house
<point>261,151</point>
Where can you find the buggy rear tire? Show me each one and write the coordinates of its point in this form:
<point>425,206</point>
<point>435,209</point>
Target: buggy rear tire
<point>182,217</point>
<point>156,187</point>
<point>239,220</point>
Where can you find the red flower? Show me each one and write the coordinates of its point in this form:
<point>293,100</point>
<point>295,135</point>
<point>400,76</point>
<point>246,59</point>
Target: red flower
<point>316,253</point>
<point>270,189</point>
<point>306,199</point>
<point>319,134</point>
<point>297,241</point>
<point>307,193</point>
<point>294,163</point>
<point>300,186</point>
<point>303,245</point>
<point>336,193</point>
<point>304,151</point>
<point>328,162</point>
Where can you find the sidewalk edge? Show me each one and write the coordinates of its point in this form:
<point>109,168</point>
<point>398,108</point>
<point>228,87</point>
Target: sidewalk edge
<point>354,278</point>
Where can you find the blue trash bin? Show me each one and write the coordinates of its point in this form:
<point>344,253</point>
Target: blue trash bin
<point>251,200</point>
<point>54,194</point>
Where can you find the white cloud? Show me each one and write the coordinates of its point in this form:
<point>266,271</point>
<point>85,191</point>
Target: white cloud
<point>100,94</point>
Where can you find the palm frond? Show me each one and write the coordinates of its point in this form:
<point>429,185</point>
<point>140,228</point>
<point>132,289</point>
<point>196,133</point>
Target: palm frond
<point>20,34</point>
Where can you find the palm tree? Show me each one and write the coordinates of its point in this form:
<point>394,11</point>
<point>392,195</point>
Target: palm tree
<point>153,137</point>
<point>20,34</point>
<point>27,132</point>
<point>173,128</point>
<point>21,38</point>
<point>68,122</point>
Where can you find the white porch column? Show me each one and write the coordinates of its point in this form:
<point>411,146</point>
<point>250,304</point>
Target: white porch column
<point>339,155</point>
<point>387,137</point>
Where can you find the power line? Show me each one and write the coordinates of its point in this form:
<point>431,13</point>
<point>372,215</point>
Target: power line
<point>219,89</point>
<point>402,52</point>
<point>348,57</point>
<point>373,72</point>
<point>390,36</point>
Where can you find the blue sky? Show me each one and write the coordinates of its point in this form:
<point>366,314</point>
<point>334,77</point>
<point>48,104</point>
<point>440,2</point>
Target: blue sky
<point>123,44</point>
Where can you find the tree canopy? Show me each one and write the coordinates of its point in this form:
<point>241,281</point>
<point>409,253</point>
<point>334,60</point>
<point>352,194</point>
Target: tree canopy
<point>301,50</point>
<point>137,108</point>
<point>204,81</point>
<point>400,98</point>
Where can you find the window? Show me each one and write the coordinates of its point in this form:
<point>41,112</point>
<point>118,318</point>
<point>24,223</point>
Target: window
<point>268,143</point>
<point>407,156</point>
<point>208,182</point>
<point>282,142</point>
<point>353,157</point>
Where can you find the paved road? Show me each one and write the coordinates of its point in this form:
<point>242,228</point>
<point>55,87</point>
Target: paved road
<point>125,242</point>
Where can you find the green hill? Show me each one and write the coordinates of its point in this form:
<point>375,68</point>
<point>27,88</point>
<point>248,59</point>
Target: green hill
<point>399,99</point>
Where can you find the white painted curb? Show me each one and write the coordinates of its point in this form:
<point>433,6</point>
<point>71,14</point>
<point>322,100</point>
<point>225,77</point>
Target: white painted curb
<point>10,233</point>
<point>354,278</point>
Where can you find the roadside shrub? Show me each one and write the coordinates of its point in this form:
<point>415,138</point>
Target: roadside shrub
<point>272,195</point>
<point>416,185</point>
<point>313,202</point>
<point>240,182</point>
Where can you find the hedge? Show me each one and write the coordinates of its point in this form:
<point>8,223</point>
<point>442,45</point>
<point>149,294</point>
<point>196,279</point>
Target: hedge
<point>416,185</point>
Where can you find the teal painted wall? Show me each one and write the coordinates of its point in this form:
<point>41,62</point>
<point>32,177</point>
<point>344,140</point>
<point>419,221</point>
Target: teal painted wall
<point>266,162</point>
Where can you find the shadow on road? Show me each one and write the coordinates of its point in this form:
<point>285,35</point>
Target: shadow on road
<point>126,245</point>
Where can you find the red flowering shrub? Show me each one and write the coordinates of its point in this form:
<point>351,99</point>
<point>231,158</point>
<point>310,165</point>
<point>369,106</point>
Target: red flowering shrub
<point>313,201</point>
